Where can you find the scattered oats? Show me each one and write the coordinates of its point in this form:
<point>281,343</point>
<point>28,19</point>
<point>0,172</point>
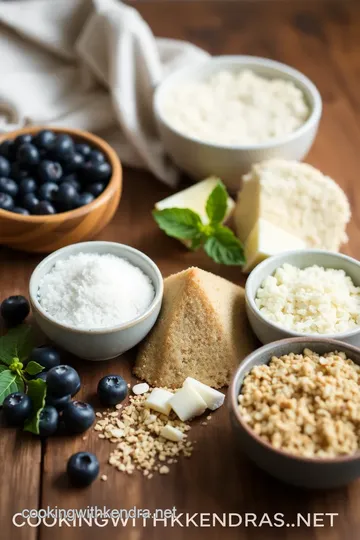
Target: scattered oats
<point>208,417</point>
<point>104,478</point>
<point>150,476</point>
<point>204,423</point>
<point>101,436</point>
<point>115,414</point>
<point>164,470</point>
<point>118,406</point>
<point>128,385</point>
<point>141,388</point>
<point>99,414</point>
<point>84,438</point>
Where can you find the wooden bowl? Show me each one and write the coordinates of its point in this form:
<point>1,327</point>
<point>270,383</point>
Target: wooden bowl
<point>43,234</point>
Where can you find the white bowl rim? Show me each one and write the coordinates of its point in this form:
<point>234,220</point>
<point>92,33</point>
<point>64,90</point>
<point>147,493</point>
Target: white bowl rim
<point>297,76</point>
<point>56,255</point>
<point>251,300</point>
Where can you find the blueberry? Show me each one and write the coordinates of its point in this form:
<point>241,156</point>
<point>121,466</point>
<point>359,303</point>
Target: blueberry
<point>65,197</point>
<point>72,179</point>
<point>82,468</point>
<point>27,185</point>
<point>62,147</point>
<point>19,210</point>
<point>63,380</point>
<point>47,191</point>
<point>48,421</point>
<point>96,172</point>
<point>5,167</point>
<point>73,162</point>
<point>44,208</point>
<point>17,408</point>
<point>84,198</point>
<point>42,375</point>
<point>96,156</point>
<point>48,357</point>
<point>15,309</point>
<point>95,188</point>
<point>78,416</point>
<point>22,139</point>
<point>44,139</point>
<point>27,156</point>
<point>83,149</point>
<point>7,149</point>
<point>9,186</point>
<point>17,173</point>
<point>58,402</point>
<point>30,201</point>
<point>6,202</point>
<point>112,389</point>
<point>49,171</point>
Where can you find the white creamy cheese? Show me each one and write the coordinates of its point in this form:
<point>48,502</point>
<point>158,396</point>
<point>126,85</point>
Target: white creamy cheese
<point>213,398</point>
<point>236,108</point>
<point>159,401</point>
<point>171,433</point>
<point>187,403</point>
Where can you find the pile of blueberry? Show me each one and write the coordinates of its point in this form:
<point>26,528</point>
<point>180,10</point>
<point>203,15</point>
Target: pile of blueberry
<point>48,173</point>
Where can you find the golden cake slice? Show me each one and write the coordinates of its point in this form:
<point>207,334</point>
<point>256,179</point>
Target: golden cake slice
<point>202,332</point>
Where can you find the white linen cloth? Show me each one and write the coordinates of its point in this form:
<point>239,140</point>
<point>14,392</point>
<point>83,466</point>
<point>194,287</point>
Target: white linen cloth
<point>89,64</point>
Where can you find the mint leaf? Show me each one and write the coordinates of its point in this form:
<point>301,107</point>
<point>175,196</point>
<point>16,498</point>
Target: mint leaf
<point>196,243</point>
<point>36,390</point>
<point>20,384</point>
<point>7,384</point>
<point>216,204</point>
<point>33,368</point>
<point>224,248</point>
<point>181,223</point>
<point>17,343</point>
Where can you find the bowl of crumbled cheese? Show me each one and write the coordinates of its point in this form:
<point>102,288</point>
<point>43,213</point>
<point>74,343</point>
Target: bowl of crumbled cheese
<point>225,114</point>
<point>96,299</point>
<point>305,293</point>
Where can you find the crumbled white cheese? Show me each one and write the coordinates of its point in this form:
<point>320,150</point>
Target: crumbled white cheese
<point>236,108</point>
<point>159,401</point>
<point>141,388</point>
<point>171,433</point>
<point>213,398</point>
<point>187,403</point>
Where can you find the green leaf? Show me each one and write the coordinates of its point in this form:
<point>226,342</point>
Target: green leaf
<point>181,223</point>
<point>33,368</point>
<point>7,384</point>
<point>224,248</point>
<point>216,204</point>
<point>17,343</point>
<point>195,243</point>
<point>36,390</point>
<point>20,384</point>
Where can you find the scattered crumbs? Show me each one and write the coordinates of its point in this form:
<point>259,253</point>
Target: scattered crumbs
<point>118,406</point>
<point>128,385</point>
<point>104,477</point>
<point>150,476</point>
<point>84,438</point>
<point>164,470</point>
<point>101,436</point>
<point>208,417</point>
<point>204,423</point>
<point>99,414</point>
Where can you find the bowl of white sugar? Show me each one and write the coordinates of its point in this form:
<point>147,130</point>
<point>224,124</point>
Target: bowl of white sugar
<point>310,292</point>
<point>96,299</point>
<point>223,115</point>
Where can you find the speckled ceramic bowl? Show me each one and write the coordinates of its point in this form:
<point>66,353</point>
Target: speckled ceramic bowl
<point>305,472</point>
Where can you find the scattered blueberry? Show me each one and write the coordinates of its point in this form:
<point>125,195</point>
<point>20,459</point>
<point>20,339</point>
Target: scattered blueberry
<point>19,210</point>
<point>30,201</point>
<point>73,162</point>
<point>96,172</point>
<point>27,185</point>
<point>44,139</point>
<point>17,173</point>
<point>96,156</point>
<point>78,386</point>
<point>78,416</point>
<point>47,191</point>
<point>82,468</point>
<point>9,186</point>
<point>83,149</point>
<point>22,139</point>
<point>15,309</point>
<point>112,389</point>
<point>62,147</point>
<point>58,402</point>
<point>49,171</point>
<point>65,197</point>
<point>48,421</point>
<point>17,408</point>
<point>6,202</point>
<point>84,198</point>
<point>48,357</point>
<point>95,188</point>
<point>27,156</point>
<point>5,167</point>
<point>62,380</point>
<point>72,179</point>
<point>44,208</point>
<point>42,375</point>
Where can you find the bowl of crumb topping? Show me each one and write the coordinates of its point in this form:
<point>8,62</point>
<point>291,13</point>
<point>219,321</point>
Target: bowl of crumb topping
<point>223,115</point>
<point>96,299</point>
<point>294,407</point>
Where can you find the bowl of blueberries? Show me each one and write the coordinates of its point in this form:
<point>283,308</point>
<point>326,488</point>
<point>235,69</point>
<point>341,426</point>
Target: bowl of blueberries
<point>57,187</point>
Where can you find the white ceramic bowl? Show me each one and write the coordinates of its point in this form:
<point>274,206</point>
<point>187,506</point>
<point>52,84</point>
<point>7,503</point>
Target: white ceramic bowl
<point>201,159</point>
<point>268,331</point>
<point>103,343</point>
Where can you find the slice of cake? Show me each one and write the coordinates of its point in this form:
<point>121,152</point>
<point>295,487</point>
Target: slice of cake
<point>296,197</point>
<point>202,332</point>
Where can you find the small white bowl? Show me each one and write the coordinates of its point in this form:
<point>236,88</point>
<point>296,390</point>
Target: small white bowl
<point>102,343</point>
<point>268,331</point>
<point>201,159</point>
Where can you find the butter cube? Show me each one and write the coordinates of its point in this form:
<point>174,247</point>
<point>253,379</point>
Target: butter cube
<point>159,401</point>
<point>213,398</point>
<point>187,403</point>
<point>171,433</point>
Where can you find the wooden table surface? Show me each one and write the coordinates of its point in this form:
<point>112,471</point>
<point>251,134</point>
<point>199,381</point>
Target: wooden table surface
<point>322,39</point>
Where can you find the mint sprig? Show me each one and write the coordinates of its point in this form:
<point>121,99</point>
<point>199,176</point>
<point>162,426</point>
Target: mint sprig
<point>37,394</point>
<point>218,241</point>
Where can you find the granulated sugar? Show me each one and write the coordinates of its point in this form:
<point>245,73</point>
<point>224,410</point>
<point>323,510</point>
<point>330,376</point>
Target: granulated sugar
<point>89,290</point>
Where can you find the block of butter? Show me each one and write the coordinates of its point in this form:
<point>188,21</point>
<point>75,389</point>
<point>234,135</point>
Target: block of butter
<point>267,239</point>
<point>159,401</point>
<point>195,198</point>
<point>213,398</point>
<point>187,403</point>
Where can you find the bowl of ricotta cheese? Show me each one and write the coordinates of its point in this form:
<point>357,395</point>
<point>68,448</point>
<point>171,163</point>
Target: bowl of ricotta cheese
<point>225,114</point>
<point>96,299</point>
